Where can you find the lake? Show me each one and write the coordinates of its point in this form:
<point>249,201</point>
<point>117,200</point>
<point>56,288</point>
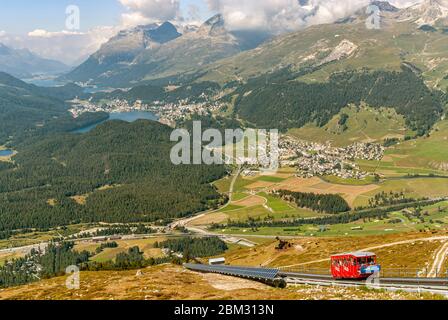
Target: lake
<point>124,116</point>
<point>6,153</point>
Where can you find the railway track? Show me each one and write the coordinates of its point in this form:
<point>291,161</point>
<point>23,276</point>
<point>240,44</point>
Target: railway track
<point>281,278</point>
<point>420,285</point>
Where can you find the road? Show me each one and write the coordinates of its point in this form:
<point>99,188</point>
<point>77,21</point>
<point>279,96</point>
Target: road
<point>437,265</point>
<point>185,222</point>
<point>182,222</point>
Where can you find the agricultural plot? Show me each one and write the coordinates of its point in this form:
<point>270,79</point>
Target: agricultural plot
<point>318,186</point>
<point>432,218</point>
<point>411,187</point>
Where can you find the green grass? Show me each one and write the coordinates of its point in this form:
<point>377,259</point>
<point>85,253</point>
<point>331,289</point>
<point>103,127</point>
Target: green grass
<point>372,227</point>
<point>239,196</point>
<point>350,182</point>
<point>241,183</point>
<point>270,179</point>
<point>427,152</point>
<point>231,207</point>
<point>365,124</point>
<point>276,204</point>
<point>412,187</point>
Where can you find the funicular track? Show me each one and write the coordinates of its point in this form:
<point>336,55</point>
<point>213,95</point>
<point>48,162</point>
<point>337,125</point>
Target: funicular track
<point>279,278</point>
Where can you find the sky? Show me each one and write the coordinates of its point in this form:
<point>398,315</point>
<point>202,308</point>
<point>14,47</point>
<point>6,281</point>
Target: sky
<point>42,27</point>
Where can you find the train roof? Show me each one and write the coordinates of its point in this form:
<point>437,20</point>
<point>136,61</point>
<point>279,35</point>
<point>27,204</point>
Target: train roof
<point>358,254</point>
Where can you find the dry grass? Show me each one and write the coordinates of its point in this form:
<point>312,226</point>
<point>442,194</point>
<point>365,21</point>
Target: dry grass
<point>260,185</point>
<point>250,201</point>
<point>52,202</point>
<point>318,186</point>
<point>175,283</point>
<point>216,217</point>
<point>305,251</point>
<point>81,200</point>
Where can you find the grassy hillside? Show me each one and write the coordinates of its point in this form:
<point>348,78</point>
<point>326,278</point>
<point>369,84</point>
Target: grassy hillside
<point>364,124</point>
<point>429,152</point>
<point>174,283</point>
<point>384,49</point>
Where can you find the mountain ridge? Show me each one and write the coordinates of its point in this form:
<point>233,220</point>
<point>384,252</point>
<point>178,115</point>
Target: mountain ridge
<point>181,53</point>
<point>23,63</point>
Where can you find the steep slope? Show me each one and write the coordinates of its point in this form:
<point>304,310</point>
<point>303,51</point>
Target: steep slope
<point>128,58</point>
<point>122,50</point>
<point>347,44</point>
<point>209,43</point>
<point>22,63</point>
<point>429,12</point>
<point>24,107</point>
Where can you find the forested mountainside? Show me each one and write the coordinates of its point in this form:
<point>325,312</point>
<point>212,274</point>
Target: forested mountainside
<point>26,108</point>
<point>119,172</point>
<point>281,101</point>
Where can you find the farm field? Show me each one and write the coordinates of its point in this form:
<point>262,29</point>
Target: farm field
<point>435,218</point>
<point>252,198</point>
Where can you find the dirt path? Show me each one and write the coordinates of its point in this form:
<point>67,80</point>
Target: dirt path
<point>438,261</point>
<point>383,246</point>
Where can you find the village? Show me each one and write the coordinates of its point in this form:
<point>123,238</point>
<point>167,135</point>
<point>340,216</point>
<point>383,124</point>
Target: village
<point>167,113</point>
<point>315,159</point>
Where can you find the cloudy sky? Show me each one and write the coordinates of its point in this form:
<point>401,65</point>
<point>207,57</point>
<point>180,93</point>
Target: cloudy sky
<point>42,25</point>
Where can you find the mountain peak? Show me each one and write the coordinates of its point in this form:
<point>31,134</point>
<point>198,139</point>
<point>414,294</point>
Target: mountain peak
<point>4,50</point>
<point>213,26</point>
<point>429,12</point>
<point>385,6</point>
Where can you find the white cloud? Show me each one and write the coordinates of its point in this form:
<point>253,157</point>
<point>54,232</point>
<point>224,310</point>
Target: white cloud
<point>151,10</point>
<point>41,33</point>
<point>67,46</point>
<point>287,15</point>
<point>273,15</point>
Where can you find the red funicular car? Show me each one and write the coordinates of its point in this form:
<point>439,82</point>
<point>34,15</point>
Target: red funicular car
<point>355,265</point>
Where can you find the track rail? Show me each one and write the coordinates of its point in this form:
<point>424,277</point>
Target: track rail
<point>277,278</point>
<point>430,285</point>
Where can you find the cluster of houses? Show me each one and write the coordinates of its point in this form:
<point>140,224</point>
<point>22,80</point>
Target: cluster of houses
<point>171,113</point>
<point>82,106</point>
<point>168,113</point>
<point>315,159</point>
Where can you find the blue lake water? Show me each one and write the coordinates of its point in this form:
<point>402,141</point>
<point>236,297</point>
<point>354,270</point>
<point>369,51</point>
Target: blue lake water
<point>43,81</point>
<point>124,116</point>
<point>5,153</point>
